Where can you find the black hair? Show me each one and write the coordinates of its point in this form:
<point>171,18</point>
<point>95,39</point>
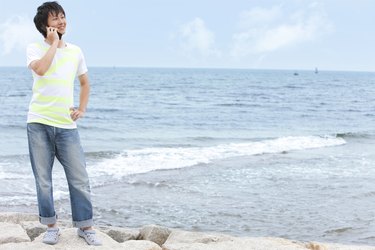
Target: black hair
<point>41,17</point>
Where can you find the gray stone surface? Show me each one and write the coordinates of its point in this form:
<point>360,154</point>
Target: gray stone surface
<point>238,244</point>
<point>333,246</point>
<point>26,246</point>
<point>180,236</point>
<point>10,232</point>
<point>140,245</point>
<point>70,240</point>
<point>120,234</point>
<point>33,228</point>
<point>16,228</point>
<point>154,233</point>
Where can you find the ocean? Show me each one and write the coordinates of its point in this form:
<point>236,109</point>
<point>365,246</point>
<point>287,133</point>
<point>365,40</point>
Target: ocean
<point>237,151</point>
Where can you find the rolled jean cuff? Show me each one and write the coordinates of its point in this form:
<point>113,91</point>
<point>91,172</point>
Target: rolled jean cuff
<point>48,220</point>
<point>83,223</point>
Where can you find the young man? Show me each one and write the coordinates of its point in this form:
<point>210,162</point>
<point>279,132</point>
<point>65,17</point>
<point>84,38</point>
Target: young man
<point>51,128</point>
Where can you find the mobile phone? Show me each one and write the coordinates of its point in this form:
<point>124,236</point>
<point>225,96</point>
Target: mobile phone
<point>59,34</point>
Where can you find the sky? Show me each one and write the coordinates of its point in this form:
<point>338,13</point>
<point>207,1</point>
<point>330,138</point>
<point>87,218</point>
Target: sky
<point>254,34</point>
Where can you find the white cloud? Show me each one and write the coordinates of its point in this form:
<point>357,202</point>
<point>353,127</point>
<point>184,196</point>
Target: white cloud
<point>196,38</point>
<point>16,33</point>
<point>266,30</point>
<point>260,16</point>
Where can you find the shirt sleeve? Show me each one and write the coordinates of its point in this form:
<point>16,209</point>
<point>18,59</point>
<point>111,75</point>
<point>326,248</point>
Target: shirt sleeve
<point>33,53</point>
<point>82,68</point>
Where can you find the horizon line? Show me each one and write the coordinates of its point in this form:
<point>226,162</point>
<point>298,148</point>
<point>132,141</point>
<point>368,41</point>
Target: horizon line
<point>213,68</point>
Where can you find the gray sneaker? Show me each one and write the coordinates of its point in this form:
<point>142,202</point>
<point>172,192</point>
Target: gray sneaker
<point>51,236</point>
<point>89,236</point>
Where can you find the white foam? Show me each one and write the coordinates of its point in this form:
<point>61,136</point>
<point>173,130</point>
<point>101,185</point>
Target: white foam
<point>4,175</point>
<point>15,200</point>
<point>60,195</point>
<point>148,159</point>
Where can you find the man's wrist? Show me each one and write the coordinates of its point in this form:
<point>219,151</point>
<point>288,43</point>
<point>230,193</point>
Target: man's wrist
<point>55,42</point>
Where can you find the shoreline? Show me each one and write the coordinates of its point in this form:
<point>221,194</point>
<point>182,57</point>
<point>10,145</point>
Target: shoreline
<point>23,231</point>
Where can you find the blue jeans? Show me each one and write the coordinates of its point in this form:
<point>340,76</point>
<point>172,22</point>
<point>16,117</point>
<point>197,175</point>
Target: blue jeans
<point>46,143</point>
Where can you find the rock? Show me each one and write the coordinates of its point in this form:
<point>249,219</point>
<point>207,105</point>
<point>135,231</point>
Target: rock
<point>333,246</point>
<point>33,228</point>
<point>140,245</point>
<point>16,230</point>
<point>120,234</point>
<point>12,233</point>
<point>315,246</point>
<point>180,236</point>
<point>70,240</point>
<point>26,246</point>
<point>18,217</point>
<point>154,233</point>
<point>238,244</point>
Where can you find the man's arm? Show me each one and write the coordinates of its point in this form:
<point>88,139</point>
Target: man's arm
<point>83,97</point>
<point>42,65</point>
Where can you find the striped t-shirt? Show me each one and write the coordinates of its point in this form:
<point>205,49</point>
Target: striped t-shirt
<point>53,92</point>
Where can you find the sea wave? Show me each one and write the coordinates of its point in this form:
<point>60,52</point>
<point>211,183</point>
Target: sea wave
<point>159,158</point>
<point>109,166</point>
<point>363,135</point>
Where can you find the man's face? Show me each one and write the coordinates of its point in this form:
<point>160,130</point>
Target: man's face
<point>57,21</point>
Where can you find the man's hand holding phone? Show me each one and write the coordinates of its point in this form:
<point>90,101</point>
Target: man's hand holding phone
<point>52,34</point>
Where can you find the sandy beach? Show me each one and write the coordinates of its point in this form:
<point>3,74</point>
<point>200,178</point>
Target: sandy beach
<point>23,231</point>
